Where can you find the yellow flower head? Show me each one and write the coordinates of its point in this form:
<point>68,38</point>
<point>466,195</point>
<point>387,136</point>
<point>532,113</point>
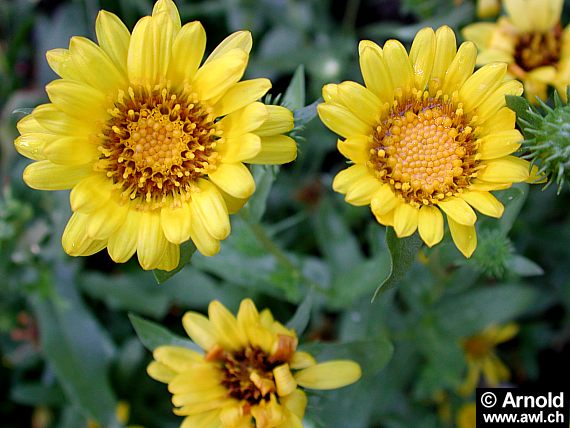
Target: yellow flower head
<point>426,135</point>
<point>529,39</point>
<point>152,143</point>
<point>467,416</point>
<point>251,371</point>
<point>482,359</point>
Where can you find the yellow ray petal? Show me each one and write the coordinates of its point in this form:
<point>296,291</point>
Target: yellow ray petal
<point>214,78</point>
<point>279,121</point>
<point>238,149</point>
<point>151,242</point>
<point>399,64</point>
<point>458,210</point>
<point>212,210</point>
<point>445,50</point>
<point>302,360</point>
<point>78,100</point>
<point>275,150</point>
<point>329,375</point>
<point>345,178</point>
<point>200,330</point>
<point>360,101</point>
<point>296,403</point>
<point>228,332</point>
<point>460,68</point>
<point>383,201</point>
<point>405,219</point>
<point>464,237</point>
<point>32,145</point>
<point>504,170</point>
<point>247,314</point>
<point>482,83</point>
<point>430,225</point>
<point>123,243</point>
<point>360,191</point>
<point>105,220</point>
<point>341,121</point>
<point>241,95</point>
<point>234,179</point>
<point>177,358</point>
<point>355,148</point>
<point>187,52</point>
<point>479,33</point>
<point>484,202</point>
<point>170,258</point>
<point>244,120</point>
<point>113,37</point>
<point>204,241</point>
<point>75,241</point>
<point>71,151</point>
<point>160,372</point>
<point>45,175</point>
<point>375,72</point>
<point>284,380</point>
<point>422,54</point>
<point>238,40</point>
<point>175,222</point>
<point>169,8</point>
<point>504,119</point>
<point>494,102</point>
<point>61,62</point>
<point>500,144</point>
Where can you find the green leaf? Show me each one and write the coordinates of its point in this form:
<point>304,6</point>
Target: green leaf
<point>77,349</point>
<point>264,176</point>
<point>526,114</point>
<point>305,114</point>
<point>523,266</point>
<point>403,253</point>
<point>473,311</point>
<point>37,394</point>
<point>153,335</point>
<point>513,199</point>
<point>294,97</point>
<point>371,354</point>
<point>187,250</point>
<point>300,320</point>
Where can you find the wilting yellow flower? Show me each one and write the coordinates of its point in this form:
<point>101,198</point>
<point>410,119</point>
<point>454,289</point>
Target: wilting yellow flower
<point>467,416</point>
<point>151,143</point>
<point>250,372</point>
<point>529,39</point>
<point>488,8</point>
<point>482,359</point>
<point>426,135</point>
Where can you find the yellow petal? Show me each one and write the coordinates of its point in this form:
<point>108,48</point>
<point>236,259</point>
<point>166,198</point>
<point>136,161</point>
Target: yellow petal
<point>383,201</point>
<point>422,54</point>
<point>233,416</point>
<point>279,121</point>
<point>302,360</point>
<point>506,332</point>
<point>94,66</point>
<point>275,150</point>
<point>504,119</point>
<point>61,62</point>
<point>54,120</point>
<point>204,241</point>
<point>75,241</point>
<point>225,323</point>
<point>445,50</point>
<point>113,37</point>
<point>234,179</point>
<point>430,225</point>
<point>284,380</point>
<point>500,144</point>
<point>360,191</point>
<point>330,93</point>
<point>105,220</point>
<point>177,358</point>
<point>200,330</point>
<point>78,100</point>
<point>187,52</point>
<point>196,378</point>
<point>175,222</point>
<point>71,151</point>
<point>169,8</point>
<point>150,50</point>
<point>214,78</point>
<point>356,148</point>
<point>238,149</point>
<point>405,219</point>
<point>481,84</point>
<point>375,71</point>
<point>347,177</point>
<point>247,314</point>
<point>194,397</point>
<point>458,210</point>
<point>460,68</point>
<point>44,175</point>
<point>151,242</point>
<point>296,403</point>
<point>503,170</point>
<point>244,120</point>
<point>479,33</point>
<point>170,258</point>
<point>123,243</point>
<point>341,121</point>
<point>211,208</point>
<point>160,372</point>
<point>399,65</point>
<point>329,375</point>
<point>232,204</point>
<point>489,108</point>
<point>238,40</point>
<point>484,202</point>
<point>210,419</point>
<point>242,94</point>
<point>360,101</point>
<point>32,145</point>
<point>464,237</point>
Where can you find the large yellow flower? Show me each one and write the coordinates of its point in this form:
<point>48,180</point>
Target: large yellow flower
<point>251,371</point>
<point>482,359</point>
<point>151,143</point>
<point>426,135</point>
<point>529,39</point>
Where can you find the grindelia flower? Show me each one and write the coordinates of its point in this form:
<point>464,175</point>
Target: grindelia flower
<point>531,41</point>
<point>482,359</point>
<point>251,371</point>
<point>426,135</point>
<point>151,143</point>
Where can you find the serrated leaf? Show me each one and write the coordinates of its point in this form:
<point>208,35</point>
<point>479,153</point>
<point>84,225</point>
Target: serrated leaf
<point>153,335</point>
<point>187,250</point>
<point>77,349</point>
<point>294,97</point>
<point>523,266</point>
<point>300,319</point>
<point>403,253</point>
<point>473,311</point>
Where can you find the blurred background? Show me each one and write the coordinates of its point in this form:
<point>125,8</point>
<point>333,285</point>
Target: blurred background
<point>69,356</point>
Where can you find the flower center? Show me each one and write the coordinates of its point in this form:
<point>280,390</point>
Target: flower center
<point>157,144</point>
<point>535,50</point>
<point>424,149</point>
<point>477,346</point>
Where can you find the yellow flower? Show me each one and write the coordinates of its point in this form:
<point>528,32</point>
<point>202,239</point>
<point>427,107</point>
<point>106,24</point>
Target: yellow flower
<point>426,135</point>
<point>151,143</point>
<point>529,39</point>
<point>251,370</point>
<point>482,359</point>
<point>467,416</point>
